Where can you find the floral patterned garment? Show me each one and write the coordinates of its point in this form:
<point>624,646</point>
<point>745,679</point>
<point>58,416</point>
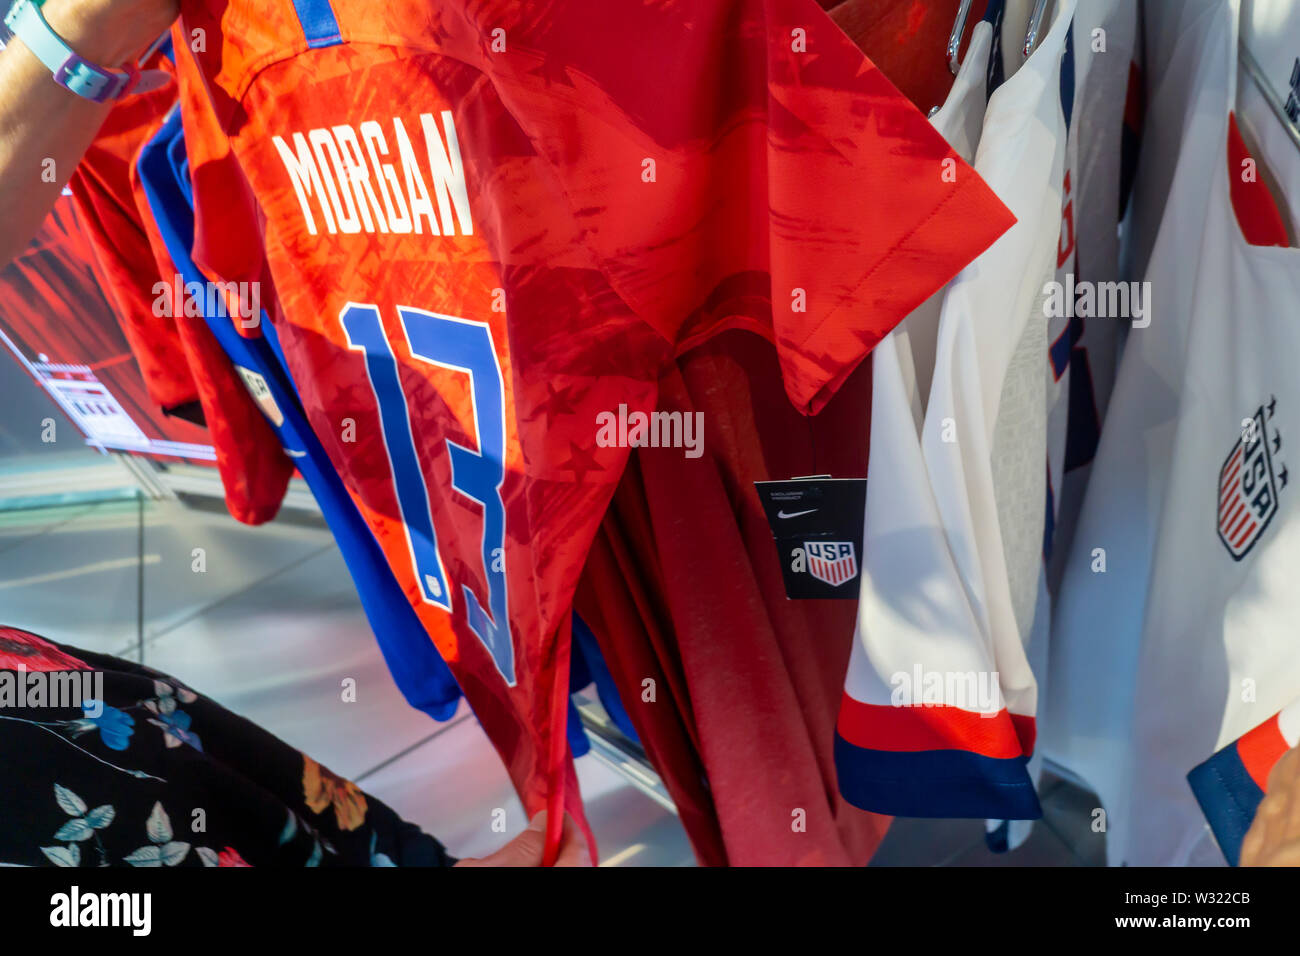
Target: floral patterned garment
<point>108,763</point>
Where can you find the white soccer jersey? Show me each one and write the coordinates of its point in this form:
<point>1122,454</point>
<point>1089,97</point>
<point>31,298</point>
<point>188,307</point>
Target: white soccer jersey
<point>938,623</point>
<point>1272,33</point>
<point>1052,383</point>
<point>1175,625</point>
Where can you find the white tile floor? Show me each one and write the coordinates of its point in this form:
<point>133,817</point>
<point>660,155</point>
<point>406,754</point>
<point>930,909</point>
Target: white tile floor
<point>270,629</point>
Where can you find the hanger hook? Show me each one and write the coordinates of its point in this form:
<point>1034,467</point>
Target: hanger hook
<point>1035,26</point>
<point>954,38</point>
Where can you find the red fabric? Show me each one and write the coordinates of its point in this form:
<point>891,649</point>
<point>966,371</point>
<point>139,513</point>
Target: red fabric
<point>621,597</point>
<point>617,221</point>
<point>22,650</point>
<point>766,673</point>
<point>177,354</point>
<point>254,469</point>
<point>53,304</point>
<point>1253,202</point>
<point>908,41</point>
<point>760,676</point>
<point>101,189</point>
<point>884,727</point>
<point>1260,750</point>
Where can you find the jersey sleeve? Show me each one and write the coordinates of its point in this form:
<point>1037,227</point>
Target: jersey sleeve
<point>214,171</point>
<point>896,214</point>
<point>1230,785</point>
<point>772,180</point>
<point>923,730</point>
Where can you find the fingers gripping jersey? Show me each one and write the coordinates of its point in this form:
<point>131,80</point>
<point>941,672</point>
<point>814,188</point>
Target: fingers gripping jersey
<point>488,232</point>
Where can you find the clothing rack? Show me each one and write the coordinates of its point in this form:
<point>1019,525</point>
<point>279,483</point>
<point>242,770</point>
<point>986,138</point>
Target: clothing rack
<point>1275,102</point>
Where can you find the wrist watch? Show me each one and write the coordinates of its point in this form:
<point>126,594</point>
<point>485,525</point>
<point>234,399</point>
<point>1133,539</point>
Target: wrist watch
<point>77,74</point>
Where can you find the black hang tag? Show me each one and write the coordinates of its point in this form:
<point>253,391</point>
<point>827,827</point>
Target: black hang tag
<point>817,524</point>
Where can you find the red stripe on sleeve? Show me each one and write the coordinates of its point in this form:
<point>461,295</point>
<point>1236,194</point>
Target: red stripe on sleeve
<point>1260,749</point>
<point>911,729</point>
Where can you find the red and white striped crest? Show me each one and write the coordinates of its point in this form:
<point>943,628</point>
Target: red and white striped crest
<point>1247,488</point>
<point>832,562</point>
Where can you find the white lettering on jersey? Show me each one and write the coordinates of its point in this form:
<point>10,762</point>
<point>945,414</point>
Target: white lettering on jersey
<point>357,190</point>
<point>305,178</point>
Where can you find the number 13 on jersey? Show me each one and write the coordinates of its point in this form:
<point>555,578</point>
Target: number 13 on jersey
<point>463,346</point>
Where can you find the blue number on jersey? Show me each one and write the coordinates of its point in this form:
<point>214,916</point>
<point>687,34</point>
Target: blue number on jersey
<point>461,346</point>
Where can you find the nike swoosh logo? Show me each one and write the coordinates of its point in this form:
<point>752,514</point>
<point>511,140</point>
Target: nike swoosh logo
<point>782,514</point>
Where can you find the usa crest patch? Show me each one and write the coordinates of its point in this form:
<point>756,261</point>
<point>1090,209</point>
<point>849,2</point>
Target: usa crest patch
<point>1249,482</point>
<point>831,562</point>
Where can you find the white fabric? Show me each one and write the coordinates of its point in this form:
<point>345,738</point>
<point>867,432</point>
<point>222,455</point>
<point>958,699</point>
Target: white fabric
<point>1035,398</point>
<point>897,486</point>
<point>1089,234</point>
<point>935,586</point>
<point>1177,648</point>
<point>1271,30</point>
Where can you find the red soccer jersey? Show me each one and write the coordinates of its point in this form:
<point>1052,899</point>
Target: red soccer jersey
<point>255,470</point>
<point>749,684</point>
<point>101,190</point>
<point>490,226</point>
<point>177,354</point>
<point>684,586</point>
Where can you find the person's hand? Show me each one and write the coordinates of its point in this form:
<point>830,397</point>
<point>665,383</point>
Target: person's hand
<point>1274,837</point>
<point>526,849</point>
<point>110,32</point>
<point>45,129</point>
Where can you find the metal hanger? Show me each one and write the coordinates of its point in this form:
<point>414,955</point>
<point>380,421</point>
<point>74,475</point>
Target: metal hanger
<point>954,38</point>
<point>1035,27</point>
<point>1265,86</point>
